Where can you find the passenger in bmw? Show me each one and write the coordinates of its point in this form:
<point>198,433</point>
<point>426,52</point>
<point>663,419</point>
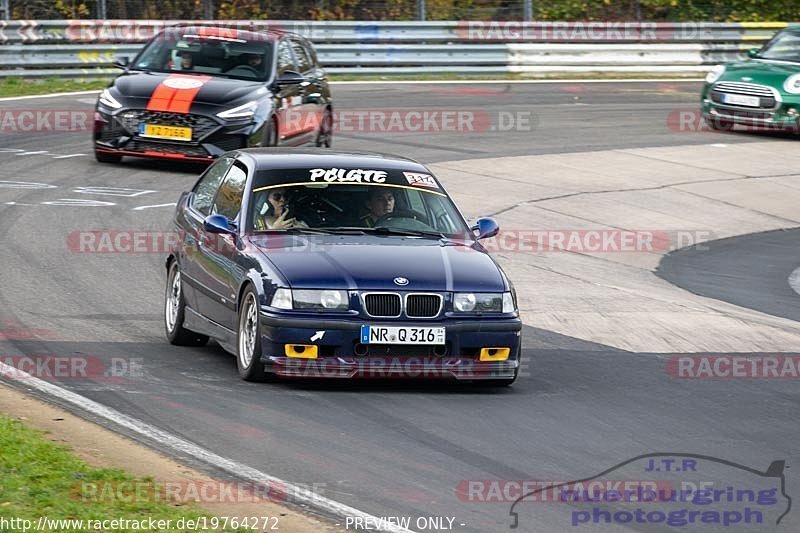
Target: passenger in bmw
<point>379,203</point>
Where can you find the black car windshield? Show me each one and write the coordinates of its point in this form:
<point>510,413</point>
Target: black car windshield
<point>373,205</point>
<point>208,51</point>
<point>785,47</point>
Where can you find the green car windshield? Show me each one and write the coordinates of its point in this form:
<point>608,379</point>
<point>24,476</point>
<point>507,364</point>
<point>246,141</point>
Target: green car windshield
<point>784,47</point>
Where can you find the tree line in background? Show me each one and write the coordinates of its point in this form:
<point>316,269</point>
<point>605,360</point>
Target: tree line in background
<point>569,10</point>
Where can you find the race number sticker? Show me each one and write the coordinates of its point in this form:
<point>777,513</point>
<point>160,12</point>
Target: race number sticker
<point>422,180</point>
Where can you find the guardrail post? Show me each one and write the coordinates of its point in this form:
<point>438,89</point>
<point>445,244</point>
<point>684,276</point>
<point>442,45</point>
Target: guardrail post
<point>101,9</point>
<point>420,9</point>
<point>527,9</point>
<point>4,10</point>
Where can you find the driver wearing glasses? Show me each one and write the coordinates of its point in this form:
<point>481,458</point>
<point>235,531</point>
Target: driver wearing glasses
<point>274,212</point>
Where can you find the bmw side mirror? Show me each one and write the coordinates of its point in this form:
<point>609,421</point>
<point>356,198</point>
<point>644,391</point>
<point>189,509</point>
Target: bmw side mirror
<point>289,77</point>
<point>122,62</point>
<point>753,52</point>
<point>219,224</point>
<point>486,228</point>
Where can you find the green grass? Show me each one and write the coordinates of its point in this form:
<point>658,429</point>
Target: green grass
<point>23,87</point>
<point>39,478</point>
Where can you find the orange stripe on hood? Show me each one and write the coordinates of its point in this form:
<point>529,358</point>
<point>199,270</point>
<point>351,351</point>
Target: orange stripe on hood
<point>172,99</point>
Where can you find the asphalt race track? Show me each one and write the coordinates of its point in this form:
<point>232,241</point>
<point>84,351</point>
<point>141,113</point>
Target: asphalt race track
<point>601,327</point>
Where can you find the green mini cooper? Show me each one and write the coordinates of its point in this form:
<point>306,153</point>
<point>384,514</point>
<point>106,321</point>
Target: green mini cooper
<point>761,92</point>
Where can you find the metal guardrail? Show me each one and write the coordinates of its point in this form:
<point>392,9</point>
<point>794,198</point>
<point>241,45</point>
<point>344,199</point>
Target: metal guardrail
<point>137,31</point>
<point>86,48</point>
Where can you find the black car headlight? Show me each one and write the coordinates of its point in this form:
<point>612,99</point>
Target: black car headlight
<point>108,100</point>
<point>246,110</point>
<point>483,302</point>
<point>311,299</point>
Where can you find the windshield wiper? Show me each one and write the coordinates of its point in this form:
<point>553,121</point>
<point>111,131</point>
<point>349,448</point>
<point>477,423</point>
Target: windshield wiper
<point>316,231</point>
<point>383,230</point>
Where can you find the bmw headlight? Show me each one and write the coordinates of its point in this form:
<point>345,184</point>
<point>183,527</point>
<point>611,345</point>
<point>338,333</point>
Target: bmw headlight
<point>243,111</point>
<point>792,84</point>
<point>483,302</point>
<point>715,73</point>
<point>282,299</point>
<point>311,300</point>
<point>109,101</point>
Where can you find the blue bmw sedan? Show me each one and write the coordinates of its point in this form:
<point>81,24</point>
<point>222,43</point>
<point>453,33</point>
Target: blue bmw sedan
<point>338,265</point>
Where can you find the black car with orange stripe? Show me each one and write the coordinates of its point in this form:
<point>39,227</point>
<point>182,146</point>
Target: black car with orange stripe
<point>196,92</point>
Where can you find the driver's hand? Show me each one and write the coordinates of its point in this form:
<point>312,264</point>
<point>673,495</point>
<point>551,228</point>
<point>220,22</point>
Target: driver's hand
<point>282,222</point>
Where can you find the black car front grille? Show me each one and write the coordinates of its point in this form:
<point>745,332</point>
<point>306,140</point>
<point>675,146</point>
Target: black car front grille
<point>111,131</point>
<point>202,126</point>
<point>765,95</point>
<point>382,304</point>
<point>189,150</point>
<point>423,305</point>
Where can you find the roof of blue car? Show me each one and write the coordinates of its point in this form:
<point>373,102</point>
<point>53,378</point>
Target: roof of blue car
<point>275,158</point>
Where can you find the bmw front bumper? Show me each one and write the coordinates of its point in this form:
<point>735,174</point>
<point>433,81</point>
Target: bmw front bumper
<point>340,354</point>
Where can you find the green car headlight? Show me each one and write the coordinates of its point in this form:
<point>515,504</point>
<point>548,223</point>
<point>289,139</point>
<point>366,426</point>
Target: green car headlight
<point>792,84</point>
<point>320,300</point>
<point>483,302</point>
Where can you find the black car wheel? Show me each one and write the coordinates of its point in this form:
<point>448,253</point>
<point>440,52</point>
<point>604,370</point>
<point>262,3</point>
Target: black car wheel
<point>174,309</point>
<point>103,157</point>
<point>325,133</point>
<point>248,340</point>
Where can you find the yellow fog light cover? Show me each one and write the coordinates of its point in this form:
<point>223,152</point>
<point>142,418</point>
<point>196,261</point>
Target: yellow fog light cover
<point>301,351</point>
<point>495,354</point>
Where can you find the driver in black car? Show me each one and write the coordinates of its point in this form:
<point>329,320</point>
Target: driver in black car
<point>379,203</point>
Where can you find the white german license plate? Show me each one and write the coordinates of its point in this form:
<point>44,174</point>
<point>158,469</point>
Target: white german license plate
<point>740,99</point>
<point>160,131</point>
<point>401,335</point>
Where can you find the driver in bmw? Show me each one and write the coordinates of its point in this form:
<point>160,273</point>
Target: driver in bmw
<point>379,203</point>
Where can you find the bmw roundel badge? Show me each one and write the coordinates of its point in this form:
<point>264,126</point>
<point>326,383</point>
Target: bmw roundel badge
<point>400,281</point>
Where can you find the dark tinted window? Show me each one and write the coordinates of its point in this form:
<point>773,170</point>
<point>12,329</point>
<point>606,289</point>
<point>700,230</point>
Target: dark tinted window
<point>303,61</point>
<point>285,59</point>
<point>214,55</point>
<point>206,188</point>
<point>229,197</point>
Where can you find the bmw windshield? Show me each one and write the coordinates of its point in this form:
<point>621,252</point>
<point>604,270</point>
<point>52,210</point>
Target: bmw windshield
<point>382,205</point>
<point>191,52</point>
